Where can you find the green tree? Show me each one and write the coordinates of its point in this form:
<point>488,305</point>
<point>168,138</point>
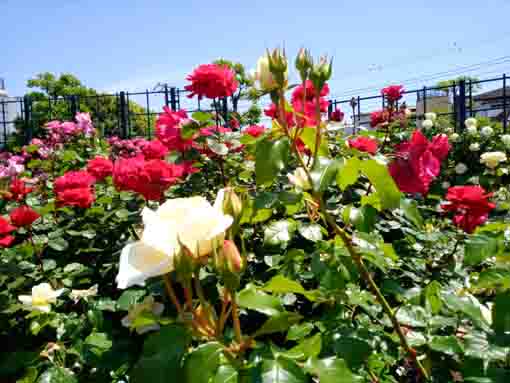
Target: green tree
<point>449,83</point>
<point>51,97</point>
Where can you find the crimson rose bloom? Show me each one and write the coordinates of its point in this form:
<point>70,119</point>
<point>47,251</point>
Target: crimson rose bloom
<point>18,190</point>
<point>364,144</point>
<point>100,168</point>
<point>149,178</point>
<point>337,115</point>
<point>307,110</point>
<point>74,189</point>
<point>23,216</point>
<point>393,92</point>
<point>378,117</point>
<point>255,130</point>
<point>418,161</point>
<point>211,81</point>
<point>154,150</point>
<point>470,205</point>
<point>6,228</point>
<point>168,130</point>
<point>272,111</point>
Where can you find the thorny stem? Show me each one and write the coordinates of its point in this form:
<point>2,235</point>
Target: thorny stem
<point>39,253</point>
<point>235,317</point>
<point>220,159</point>
<point>171,293</point>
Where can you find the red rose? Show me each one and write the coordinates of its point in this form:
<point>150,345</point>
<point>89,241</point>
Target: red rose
<point>154,150</point>
<point>337,115</point>
<point>6,228</point>
<point>212,81</point>
<point>378,117</point>
<point>471,205</point>
<point>306,109</point>
<point>272,111</point>
<point>418,161</point>
<point>364,144</point>
<point>393,92</point>
<point>255,130</point>
<point>168,130</point>
<point>233,123</point>
<point>80,197</point>
<point>23,216</point>
<point>100,168</point>
<point>73,180</point>
<point>18,190</point>
<point>311,94</point>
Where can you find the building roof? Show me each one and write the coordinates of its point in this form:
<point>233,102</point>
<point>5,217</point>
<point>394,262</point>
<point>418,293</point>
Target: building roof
<point>492,94</point>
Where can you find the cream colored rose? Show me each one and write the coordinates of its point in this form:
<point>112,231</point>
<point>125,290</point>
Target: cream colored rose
<point>264,75</point>
<point>76,295</point>
<point>461,168</point>
<point>486,131</point>
<point>299,179</point>
<point>471,122</point>
<point>430,116</point>
<point>42,297</point>
<point>190,222</point>
<point>505,138</point>
<point>455,137</point>
<point>148,306</point>
<point>427,124</point>
<point>492,159</point>
<point>474,147</point>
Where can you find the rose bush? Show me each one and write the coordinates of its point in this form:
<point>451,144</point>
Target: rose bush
<point>287,253</point>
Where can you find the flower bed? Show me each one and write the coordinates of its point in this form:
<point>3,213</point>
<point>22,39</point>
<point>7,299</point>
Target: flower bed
<point>279,254</point>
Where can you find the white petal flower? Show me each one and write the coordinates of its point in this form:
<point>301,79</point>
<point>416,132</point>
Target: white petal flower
<point>445,185</point>
<point>471,130</point>
<point>430,116</point>
<point>492,159</point>
<point>455,137</point>
<point>299,179</point>
<point>427,124</point>
<point>486,131</point>
<point>461,168</point>
<point>505,138</point>
<point>471,122</point>
<point>191,222</point>
<point>76,295</point>
<point>474,147</point>
<point>42,297</point>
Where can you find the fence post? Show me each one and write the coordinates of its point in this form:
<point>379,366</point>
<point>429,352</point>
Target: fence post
<point>330,109</point>
<point>123,115</point>
<point>470,98</point>
<point>424,101</point>
<point>166,95</point>
<point>505,116</point>
<point>461,106</point>
<point>73,107</point>
<point>173,98</point>
<point>27,118</point>
<point>224,110</point>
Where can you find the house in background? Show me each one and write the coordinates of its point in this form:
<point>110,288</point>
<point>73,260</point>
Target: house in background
<point>7,112</point>
<point>490,104</point>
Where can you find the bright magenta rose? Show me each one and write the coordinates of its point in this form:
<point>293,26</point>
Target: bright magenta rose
<point>100,168</point>
<point>6,228</point>
<point>168,130</point>
<point>23,216</point>
<point>418,162</point>
<point>471,205</point>
<point>255,130</point>
<point>393,92</point>
<point>364,144</point>
<point>154,150</point>
<point>211,81</point>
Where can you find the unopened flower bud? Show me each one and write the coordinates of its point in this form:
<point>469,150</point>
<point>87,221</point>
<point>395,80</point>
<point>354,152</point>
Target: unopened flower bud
<point>304,63</point>
<point>232,257</point>
<point>263,75</point>
<point>231,204</point>
<point>321,72</point>
<point>278,66</point>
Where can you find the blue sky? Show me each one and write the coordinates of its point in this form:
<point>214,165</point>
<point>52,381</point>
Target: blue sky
<point>119,45</point>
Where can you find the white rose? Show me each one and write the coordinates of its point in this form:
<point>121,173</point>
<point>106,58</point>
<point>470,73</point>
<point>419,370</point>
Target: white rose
<point>471,122</point>
<point>505,138</point>
<point>427,124</point>
<point>299,179</point>
<point>445,185</point>
<point>492,159</point>
<point>264,75</point>
<point>190,222</point>
<point>471,130</point>
<point>455,137</point>
<point>42,297</point>
<point>147,306</point>
<point>430,116</point>
<point>449,131</point>
<point>486,131</point>
<point>76,295</point>
<point>474,147</point>
<point>461,168</point>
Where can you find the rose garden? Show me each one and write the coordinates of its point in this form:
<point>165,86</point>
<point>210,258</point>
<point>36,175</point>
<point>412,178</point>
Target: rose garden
<point>287,253</point>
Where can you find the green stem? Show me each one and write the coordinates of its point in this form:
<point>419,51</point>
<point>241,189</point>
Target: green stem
<point>235,318</point>
<point>318,132</point>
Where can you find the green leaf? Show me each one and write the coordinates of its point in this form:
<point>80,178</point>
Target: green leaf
<point>278,323</point>
<point>433,297</point>
<point>308,136</point>
<point>226,374</point>
<point>129,298</point>
<point>201,116</point>
<point>57,375</point>
<point>348,173</point>
<point>282,285</point>
<point>312,232</point>
<point>384,184</point>
<point>410,209</point>
<point>353,349</point>
<point>99,342</point>
<point>30,376</point>
<point>279,233</point>
<point>331,370</point>
<point>122,213</point>
<point>282,370</point>
<point>448,345</point>
<point>161,356</point>
<point>299,331</point>
<point>253,214</point>
<point>255,299</point>
<point>323,173</point>
<point>501,316</point>
<point>201,364</point>
<point>479,247</point>
<point>271,158</point>
<point>412,316</point>
<point>494,278</point>
<point>308,348</point>
<point>58,244</point>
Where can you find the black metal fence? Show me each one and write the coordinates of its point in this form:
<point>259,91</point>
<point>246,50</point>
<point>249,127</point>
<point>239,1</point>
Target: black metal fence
<point>124,114</point>
<point>460,100</point>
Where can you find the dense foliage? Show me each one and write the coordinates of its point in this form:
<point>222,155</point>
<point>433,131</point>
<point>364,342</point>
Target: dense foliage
<point>285,254</point>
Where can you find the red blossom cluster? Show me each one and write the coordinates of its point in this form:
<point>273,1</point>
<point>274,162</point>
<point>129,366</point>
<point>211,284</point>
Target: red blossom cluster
<point>337,115</point>
<point>379,117</point>
<point>100,167</point>
<point>418,162</point>
<point>18,190</point>
<point>23,216</point>
<point>363,144</point>
<point>304,99</point>
<point>255,130</point>
<point>211,81</point>
<point>169,128</point>
<point>74,188</point>
<point>6,239</point>
<point>470,205</point>
<point>393,93</point>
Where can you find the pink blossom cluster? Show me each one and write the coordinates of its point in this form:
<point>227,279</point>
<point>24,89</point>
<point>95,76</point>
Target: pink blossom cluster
<point>59,131</point>
<point>126,148</point>
<point>11,165</point>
